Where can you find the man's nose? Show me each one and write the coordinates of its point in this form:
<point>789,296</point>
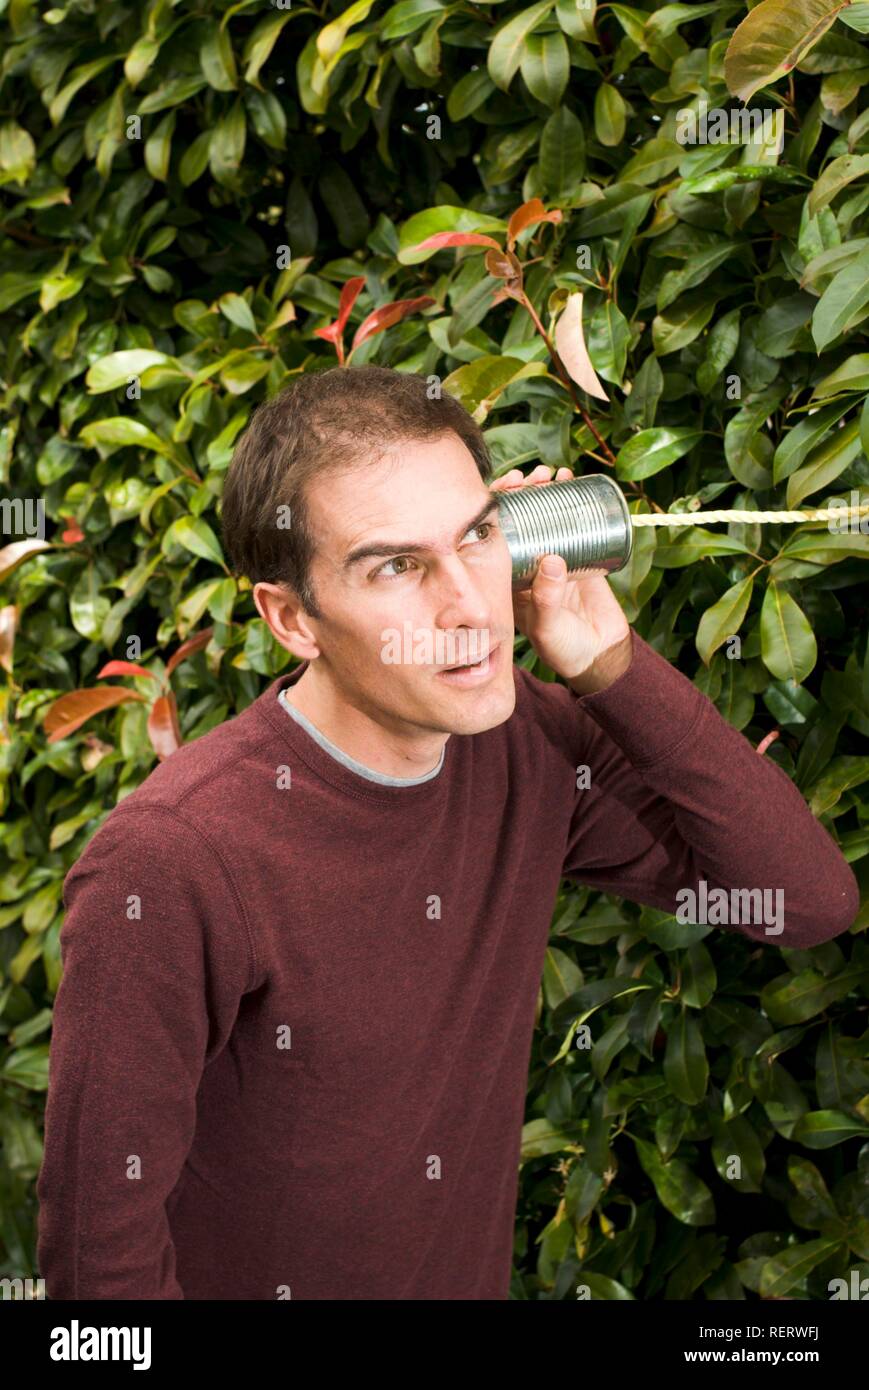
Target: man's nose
<point>461,597</point>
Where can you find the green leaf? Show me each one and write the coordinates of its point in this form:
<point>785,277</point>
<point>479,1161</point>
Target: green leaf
<point>242,371</point>
<point>116,368</point>
<point>546,67</point>
<point>653,161</point>
<point>479,383</point>
<point>610,114</point>
<point>561,976</point>
<point>443,219</point>
<point>677,548</point>
<point>844,303</point>
<point>652,450</point>
<point>721,346</point>
<point>678,1188</point>
<point>788,645</point>
<point>747,451</point>
<point>837,175</point>
<point>261,42</point>
<point>17,152</point>
<point>686,1069</point>
<point>217,58</point>
<point>646,388</point>
<point>194,161</point>
<point>507,47</point>
<point>158,148</point>
<point>822,1129</point>
<point>196,536</point>
<point>79,78</point>
<point>723,619</point>
<point>839,776</point>
<point>226,150</point>
<point>699,977</point>
<point>118,431</point>
<point>471,90</point>
<point>88,608</point>
<point>799,441</point>
<point>620,203</point>
<point>607,336</point>
<point>779,326</point>
<point>826,463</point>
<point>773,39</point>
<point>268,117</point>
<point>782,1273</point>
<point>682,322</point>
<point>850,375</point>
<point>695,270</point>
<point>795,998</point>
<point>721,179</point>
<point>236,308</point>
<point>562,154</point>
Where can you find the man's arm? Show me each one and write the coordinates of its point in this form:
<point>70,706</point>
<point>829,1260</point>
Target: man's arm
<point>150,989</point>
<point>678,795</point>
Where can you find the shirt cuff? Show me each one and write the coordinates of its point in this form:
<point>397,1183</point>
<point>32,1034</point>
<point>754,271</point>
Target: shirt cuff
<point>650,709</point>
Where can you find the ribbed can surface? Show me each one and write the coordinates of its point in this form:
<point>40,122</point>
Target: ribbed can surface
<point>584,519</point>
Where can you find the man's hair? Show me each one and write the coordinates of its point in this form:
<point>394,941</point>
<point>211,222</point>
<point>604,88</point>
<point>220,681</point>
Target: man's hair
<point>343,417</point>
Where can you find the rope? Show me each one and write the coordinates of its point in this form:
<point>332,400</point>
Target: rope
<point>696,518</point>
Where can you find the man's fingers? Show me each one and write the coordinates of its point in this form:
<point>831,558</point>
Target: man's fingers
<point>541,474</point>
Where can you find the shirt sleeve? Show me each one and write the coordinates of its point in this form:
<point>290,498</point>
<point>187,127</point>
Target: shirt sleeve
<point>677,795</point>
<point>155,960</point>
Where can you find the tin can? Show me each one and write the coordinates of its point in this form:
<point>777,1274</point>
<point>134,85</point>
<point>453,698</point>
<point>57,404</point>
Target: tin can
<point>584,519</point>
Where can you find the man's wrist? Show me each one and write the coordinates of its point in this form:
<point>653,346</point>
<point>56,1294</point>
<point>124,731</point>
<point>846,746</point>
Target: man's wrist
<point>605,669</point>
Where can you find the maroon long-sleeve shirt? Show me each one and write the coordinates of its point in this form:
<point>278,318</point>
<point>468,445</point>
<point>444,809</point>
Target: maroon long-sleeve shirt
<point>292,1036</point>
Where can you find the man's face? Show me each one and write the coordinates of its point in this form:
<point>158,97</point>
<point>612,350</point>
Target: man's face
<point>436,592</point>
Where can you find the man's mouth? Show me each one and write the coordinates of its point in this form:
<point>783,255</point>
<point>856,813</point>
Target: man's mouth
<point>472,670</point>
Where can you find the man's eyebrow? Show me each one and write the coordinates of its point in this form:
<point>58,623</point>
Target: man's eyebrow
<point>392,548</point>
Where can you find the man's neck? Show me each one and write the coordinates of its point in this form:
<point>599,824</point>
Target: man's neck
<point>359,736</point>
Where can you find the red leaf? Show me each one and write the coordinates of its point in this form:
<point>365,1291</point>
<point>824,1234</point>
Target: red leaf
<point>68,713</point>
<point>124,668</point>
<point>442,239</point>
<point>163,728</point>
<point>334,333</point>
<point>73,532</point>
<point>529,215</point>
<point>504,264</point>
<point>349,295</point>
<point>193,644</point>
<point>387,315</point>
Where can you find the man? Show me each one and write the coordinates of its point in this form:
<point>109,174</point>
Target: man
<point>301,961</point>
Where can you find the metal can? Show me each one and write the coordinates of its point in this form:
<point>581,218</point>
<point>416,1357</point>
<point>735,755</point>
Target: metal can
<point>584,519</point>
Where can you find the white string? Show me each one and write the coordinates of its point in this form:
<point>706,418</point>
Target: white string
<point>697,518</point>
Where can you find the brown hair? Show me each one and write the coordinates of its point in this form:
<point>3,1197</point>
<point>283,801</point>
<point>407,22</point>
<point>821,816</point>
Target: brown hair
<point>325,420</point>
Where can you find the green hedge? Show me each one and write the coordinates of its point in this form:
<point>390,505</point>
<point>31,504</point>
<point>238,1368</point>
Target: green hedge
<point>186,190</point>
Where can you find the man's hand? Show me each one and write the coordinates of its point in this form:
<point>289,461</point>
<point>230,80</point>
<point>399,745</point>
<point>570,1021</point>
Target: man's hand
<point>576,626</point>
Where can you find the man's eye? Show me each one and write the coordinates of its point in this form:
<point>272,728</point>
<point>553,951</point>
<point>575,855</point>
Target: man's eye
<point>396,560</point>
<point>381,573</point>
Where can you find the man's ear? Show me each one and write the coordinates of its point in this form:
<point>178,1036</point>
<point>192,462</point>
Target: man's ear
<point>281,610</point>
